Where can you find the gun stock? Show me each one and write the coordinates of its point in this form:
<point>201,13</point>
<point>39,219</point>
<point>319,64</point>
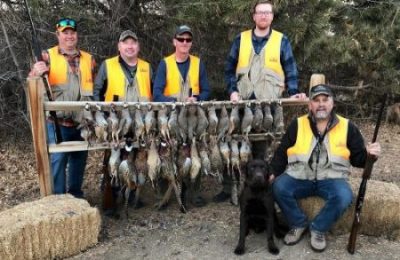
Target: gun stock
<point>351,246</point>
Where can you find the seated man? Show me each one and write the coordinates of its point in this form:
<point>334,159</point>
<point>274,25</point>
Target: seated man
<point>314,159</point>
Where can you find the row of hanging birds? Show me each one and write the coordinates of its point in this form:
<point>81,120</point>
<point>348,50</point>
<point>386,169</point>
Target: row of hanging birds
<point>180,123</point>
<point>177,143</point>
<point>177,163</point>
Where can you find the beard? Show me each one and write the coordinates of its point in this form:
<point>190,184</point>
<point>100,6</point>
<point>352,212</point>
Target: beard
<point>263,26</point>
<point>321,115</point>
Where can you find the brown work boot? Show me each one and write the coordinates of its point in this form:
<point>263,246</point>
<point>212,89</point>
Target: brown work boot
<point>221,197</point>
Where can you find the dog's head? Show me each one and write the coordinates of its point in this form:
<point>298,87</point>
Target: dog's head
<point>257,174</point>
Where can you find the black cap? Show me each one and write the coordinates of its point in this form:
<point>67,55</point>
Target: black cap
<point>320,89</point>
<point>183,29</point>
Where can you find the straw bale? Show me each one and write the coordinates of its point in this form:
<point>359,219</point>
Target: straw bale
<point>380,212</point>
<point>55,226</point>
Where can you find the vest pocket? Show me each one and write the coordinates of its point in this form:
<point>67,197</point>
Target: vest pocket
<point>244,86</point>
<point>271,87</point>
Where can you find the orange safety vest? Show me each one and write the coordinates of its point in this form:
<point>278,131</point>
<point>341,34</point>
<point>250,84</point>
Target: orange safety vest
<point>116,79</point>
<point>336,142</point>
<point>59,69</point>
<point>173,83</point>
<point>272,52</point>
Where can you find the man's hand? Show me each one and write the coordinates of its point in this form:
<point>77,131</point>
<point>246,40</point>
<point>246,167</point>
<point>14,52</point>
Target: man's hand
<point>299,96</point>
<point>191,99</point>
<point>374,149</point>
<point>235,97</point>
<point>39,68</point>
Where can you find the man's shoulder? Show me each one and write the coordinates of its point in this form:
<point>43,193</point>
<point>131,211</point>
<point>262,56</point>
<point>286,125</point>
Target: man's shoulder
<point>143,60</point>
<point>83,52</point>
<point>248,31</point>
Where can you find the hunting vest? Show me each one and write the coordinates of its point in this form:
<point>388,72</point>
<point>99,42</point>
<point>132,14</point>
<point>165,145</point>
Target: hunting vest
<point>117,83</point>
<point>176,86</point>
<point>61,75</point>
<point>261,74</point>
<point>333,147</point>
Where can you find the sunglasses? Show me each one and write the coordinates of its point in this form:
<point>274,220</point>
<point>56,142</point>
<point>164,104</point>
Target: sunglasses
<point>66,22</point>
<point>183,39</point>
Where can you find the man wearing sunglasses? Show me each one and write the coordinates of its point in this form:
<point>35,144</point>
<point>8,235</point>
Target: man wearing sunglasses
<point>70,73</point>
<point>314,159</point>
<point>181,76</point>
<point>126,75</point>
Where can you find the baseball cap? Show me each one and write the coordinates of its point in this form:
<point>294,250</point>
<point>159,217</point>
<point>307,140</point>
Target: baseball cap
<point>183,29</point>
<point>320,89</point>
<point>127,34</point>
<point>66,23</point>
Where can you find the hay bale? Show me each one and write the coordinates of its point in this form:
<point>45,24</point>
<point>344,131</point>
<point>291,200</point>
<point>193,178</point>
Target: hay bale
<point>380,213</point>
<point>55,226</point>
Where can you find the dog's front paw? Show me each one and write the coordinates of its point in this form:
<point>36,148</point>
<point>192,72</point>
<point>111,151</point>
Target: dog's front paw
<point>273,249</point>
<point>239,250</point>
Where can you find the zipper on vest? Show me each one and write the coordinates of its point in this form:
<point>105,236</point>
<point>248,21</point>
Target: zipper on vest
<point>317,154</point>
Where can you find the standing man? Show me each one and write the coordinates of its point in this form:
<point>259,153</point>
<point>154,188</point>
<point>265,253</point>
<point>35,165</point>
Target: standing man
<point>70,72</point>
<point>125,75</point>
<point>128,78</point>
<point>181,76</point>
<point>260,65</point>
<point>314,159</point>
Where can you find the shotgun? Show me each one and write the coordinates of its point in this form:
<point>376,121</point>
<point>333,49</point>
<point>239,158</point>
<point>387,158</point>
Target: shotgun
<point>37,50</point>
<point>363,186</point>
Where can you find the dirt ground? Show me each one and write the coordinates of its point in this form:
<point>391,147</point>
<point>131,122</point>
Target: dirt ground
<point>209,232</point>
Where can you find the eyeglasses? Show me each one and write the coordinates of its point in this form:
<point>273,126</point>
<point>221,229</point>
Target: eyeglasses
<point>183,39</point>
<point>66,22</point>
<point>266,13</point>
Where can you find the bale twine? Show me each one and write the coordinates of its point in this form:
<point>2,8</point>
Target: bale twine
<point>380,212</point>
<point>55,226</point>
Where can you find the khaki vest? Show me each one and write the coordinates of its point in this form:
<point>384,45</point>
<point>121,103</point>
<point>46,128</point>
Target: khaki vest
<point>117,82</point>
<point>175,83</point>
<point>272,57</point>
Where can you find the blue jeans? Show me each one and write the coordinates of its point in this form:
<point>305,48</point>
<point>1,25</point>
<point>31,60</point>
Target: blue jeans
<point>336,193</point>
<point>76,162</point>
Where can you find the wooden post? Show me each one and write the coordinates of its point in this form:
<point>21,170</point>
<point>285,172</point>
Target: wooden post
<point>317,79</point>
<point>38,126</point>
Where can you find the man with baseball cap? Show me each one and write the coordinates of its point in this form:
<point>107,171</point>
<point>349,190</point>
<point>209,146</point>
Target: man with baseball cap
<point>314,159</point>
<point>124,76</point>
<point>70,73</point>
<point>181,76</point>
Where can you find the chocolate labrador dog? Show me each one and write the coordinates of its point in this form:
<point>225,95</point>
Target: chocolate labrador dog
<point>257,211</point>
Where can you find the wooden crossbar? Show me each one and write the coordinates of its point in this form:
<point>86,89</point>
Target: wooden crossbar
<point>105,106</point>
